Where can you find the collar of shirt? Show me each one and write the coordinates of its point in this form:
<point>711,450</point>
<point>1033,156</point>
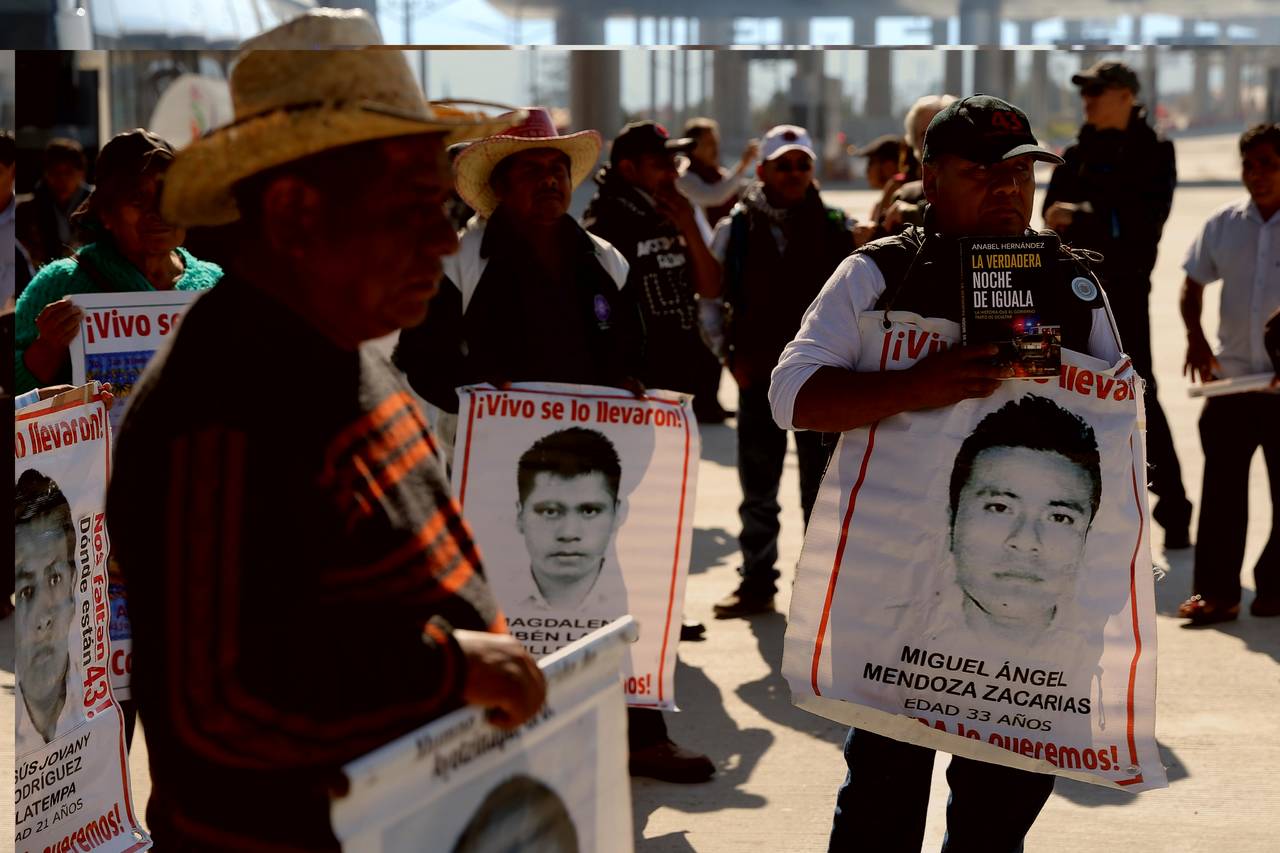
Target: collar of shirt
<point>26,738</point>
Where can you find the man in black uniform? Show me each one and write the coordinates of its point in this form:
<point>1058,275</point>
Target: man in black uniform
<point>1113,195</point>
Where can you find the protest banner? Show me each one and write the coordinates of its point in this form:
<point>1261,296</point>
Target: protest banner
<point>557,784</point>
<point>581,500</point>
<point>120,333</point>
<point>977,578</point>
<point>72,772</point>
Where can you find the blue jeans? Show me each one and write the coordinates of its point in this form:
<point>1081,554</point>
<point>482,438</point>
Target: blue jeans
<point>762,450</point>
<point>882,804</point>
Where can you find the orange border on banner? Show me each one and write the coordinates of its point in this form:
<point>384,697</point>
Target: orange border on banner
<point>1133,595</point>
<point>684,485</point>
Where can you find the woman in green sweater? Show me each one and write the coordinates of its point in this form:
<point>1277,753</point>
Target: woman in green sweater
<point>133,250</point>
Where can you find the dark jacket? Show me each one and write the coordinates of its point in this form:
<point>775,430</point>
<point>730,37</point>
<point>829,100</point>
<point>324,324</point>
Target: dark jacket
<point>521,324</point>
<point>37,222</point>
<point>768,290</point>
<point>1126,178</point>
<point>661,279</point>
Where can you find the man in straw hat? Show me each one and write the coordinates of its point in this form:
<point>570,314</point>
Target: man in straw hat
<point>305,588</point>
<point>530,295</point>
<point>533,296</point>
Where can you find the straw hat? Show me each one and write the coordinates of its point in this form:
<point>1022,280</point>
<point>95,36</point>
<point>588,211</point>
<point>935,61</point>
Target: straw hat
<point>292,101</point>
<point>474,165</point>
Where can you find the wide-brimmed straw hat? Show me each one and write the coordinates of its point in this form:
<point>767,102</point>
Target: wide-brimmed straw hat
<point>292,99</point>
<point>475,165</point>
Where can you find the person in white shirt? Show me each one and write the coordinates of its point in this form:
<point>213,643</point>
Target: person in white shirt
<point>703,180</point>
<point>1240,246</point>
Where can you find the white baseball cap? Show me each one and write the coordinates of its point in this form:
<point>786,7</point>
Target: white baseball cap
<point>783,138</point>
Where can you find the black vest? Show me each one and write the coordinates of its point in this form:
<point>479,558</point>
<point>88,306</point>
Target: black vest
<point>922,275</point>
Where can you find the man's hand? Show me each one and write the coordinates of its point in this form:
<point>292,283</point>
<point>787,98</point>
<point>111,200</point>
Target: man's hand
<point>864,233</point>
<point>502,677</point>
<point>672,204</point>
<point>750,153</point>
<point>1060,215</point>
<point>634,385</point>
<point>959,373</point>
<point>1200,363</point>
<point>58,323</point>
<point>895,215</point>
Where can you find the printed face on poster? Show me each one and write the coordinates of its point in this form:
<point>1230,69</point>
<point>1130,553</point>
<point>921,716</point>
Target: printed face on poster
<point>581,501</point>
<point>984,569</point>
<point>119,335</point>
<point>71,773</point>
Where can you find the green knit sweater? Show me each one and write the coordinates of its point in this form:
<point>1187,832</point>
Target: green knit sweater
<point>66,277</point>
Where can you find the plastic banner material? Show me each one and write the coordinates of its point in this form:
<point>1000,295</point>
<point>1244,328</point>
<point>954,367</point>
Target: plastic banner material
<point>557,784</point>
<point>72,771</point>
<point>581,500</point>
<point>977,578</point>
<point>120,333</point>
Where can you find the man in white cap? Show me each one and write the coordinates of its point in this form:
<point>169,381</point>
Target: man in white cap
<point>303,588</point>
<point>777,248</point>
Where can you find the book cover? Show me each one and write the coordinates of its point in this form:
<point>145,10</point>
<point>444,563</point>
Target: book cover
<point>1007,301</point>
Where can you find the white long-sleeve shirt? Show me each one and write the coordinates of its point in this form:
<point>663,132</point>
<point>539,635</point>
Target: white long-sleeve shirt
<point>829,334</point>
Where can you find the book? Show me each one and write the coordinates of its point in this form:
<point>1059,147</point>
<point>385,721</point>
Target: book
<point>1007,296</point>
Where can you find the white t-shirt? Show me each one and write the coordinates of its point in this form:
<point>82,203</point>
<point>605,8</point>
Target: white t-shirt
<point>829,334</point>
<point>1237,248</point>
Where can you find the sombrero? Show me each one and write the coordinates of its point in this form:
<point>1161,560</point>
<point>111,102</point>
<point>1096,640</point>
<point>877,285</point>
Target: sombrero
<point>474,165</point>
<point>294,95</point>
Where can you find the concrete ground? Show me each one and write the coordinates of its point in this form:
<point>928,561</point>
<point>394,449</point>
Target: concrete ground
<point>779,767</point>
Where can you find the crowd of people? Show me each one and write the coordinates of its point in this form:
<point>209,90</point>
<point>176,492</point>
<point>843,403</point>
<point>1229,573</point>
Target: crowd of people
<point>332,195</point>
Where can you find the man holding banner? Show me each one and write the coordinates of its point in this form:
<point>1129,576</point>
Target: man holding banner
<point>838,375</point>
<point>303,588</point>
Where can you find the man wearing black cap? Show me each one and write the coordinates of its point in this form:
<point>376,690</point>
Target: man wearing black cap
<point>1113,195</point>
<point>978,180</point>
<point>665,240</point>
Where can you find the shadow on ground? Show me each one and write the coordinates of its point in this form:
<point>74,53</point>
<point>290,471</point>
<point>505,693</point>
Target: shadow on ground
<point>710,546</point>
<point>1084,794</point>
<point>735,751</point>
<point>720,443</point>
<point>1258,635</point>
<point>771,695</point>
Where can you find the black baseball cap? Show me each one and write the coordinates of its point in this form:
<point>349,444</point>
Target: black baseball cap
<point>121,162</point>
<point>646,137</point>
<point>882,147</point>
<point>984,129</point>
<point>1110,74</point>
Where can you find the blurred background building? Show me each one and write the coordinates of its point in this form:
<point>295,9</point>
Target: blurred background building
<point>1207,65</point>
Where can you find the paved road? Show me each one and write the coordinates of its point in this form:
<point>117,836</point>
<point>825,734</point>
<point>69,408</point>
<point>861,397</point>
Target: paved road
<point>1219,689</point>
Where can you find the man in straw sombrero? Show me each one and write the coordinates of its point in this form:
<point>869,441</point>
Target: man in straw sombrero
<point>532,296</point>
<point>305,588</point>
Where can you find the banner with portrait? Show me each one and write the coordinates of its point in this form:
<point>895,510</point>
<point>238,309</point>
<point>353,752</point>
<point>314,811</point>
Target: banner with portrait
<point>557,784</point>
<point>977,579</point>
<point>119,335</point>
<point>581,500</point>
<point>72,771</point>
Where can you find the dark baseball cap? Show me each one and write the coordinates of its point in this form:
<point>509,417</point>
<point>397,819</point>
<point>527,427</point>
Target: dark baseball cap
<point>984,129</point>
<point>882,147</point>
<point>121,162</point>
<point>646,137</point>
<point>1108,73</point>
